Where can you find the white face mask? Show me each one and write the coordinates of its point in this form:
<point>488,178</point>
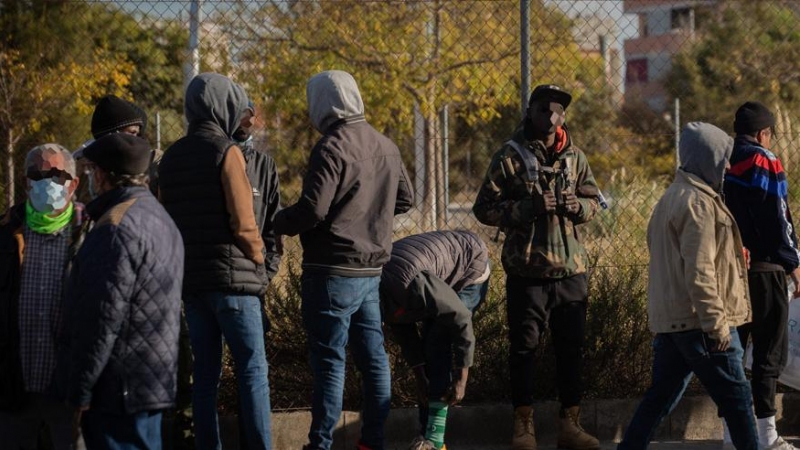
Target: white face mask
<point>48,195</point>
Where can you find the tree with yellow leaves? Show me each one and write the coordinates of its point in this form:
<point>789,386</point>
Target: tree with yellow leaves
<point>405,55</point>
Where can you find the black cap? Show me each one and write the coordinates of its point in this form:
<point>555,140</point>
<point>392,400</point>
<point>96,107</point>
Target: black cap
<point>113,113</point>
<point>120,153</point>
<point>752,117</point>
<point>552,93</point>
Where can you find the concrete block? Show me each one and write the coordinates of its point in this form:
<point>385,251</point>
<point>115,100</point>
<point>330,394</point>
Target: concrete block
<point>613,417</point>
<point>290,429</point>
<point>695,418</point>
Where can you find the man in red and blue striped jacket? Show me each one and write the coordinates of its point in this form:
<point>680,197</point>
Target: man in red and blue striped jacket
<point>756,193</point>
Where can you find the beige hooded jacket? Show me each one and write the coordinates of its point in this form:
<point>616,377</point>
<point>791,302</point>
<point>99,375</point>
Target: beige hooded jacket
<point>698,275</point>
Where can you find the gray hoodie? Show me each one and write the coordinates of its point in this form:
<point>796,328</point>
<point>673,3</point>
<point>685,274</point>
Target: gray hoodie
<point>354,185</point>
<point>704,151</point>
<point>333,95</point>
<point>215,99</point>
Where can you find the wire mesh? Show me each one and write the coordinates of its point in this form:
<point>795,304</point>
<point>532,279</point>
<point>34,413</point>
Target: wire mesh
<point>637,70</point>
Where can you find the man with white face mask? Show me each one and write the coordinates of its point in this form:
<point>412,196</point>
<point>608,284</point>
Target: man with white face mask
<point>37,240</point>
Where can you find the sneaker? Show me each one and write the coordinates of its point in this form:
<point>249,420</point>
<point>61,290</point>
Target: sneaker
<point>420,443</point>
<point>780,444</point>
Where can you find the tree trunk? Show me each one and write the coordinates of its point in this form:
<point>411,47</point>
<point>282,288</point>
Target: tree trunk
<point>429,205</point>
<point>10,170</point>
<point>441,201</point>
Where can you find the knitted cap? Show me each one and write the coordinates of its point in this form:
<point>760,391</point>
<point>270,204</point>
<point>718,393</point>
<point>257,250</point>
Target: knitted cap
<point>113,113</point>
<point>120,153</point>
<point>752,117</point>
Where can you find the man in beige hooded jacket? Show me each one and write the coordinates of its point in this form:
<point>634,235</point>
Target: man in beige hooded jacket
<point>697,293</point>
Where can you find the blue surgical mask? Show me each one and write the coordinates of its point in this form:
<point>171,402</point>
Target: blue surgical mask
<point>48,195</point>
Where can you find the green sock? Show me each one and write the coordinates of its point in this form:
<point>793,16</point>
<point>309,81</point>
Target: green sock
<point>437,419</point>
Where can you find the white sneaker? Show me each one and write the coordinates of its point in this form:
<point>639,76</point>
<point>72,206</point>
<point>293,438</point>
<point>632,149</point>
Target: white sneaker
<point>420,443</point>
<point>780,444</point>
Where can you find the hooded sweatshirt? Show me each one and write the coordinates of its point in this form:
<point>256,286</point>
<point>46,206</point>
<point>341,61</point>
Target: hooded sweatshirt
<point>354,185</point>
<point>697,268</point>
<point>204,187</point>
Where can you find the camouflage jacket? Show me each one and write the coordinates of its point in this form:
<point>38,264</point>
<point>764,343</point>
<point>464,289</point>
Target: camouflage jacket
<point>542,246</point>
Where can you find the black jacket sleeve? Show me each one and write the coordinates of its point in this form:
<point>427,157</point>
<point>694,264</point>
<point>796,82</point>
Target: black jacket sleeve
<point>319,189</point>
<point>273,205</point>
<point>405,196</point>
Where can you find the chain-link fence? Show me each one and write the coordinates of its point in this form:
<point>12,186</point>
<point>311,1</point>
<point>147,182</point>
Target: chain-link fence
<point>442,78</point>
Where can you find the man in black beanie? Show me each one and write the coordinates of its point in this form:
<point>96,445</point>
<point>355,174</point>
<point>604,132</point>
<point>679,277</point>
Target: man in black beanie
<point>115,115</point>
<point>756,193</point>
<point>123,300</point>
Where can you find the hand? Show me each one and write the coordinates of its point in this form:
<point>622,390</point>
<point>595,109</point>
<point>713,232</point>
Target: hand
<point>546,203</point>
<point>421,384</point>
<point>571,203</point>
<point>795,275</point>
<point>722,344</point>
<point>746,257</point>
<point>458,388</point>
<point>77,414</point>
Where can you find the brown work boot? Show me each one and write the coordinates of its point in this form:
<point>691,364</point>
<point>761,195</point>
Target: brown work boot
<point>524,437</point>
<point>571,435</point>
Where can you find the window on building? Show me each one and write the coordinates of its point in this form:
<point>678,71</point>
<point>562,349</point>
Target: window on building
<point>636,71</point>
<point>682,19</point>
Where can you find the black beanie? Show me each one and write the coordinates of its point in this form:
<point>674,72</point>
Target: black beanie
<point>120,153</point>
<point>752,117</point>
<point>113,113</point>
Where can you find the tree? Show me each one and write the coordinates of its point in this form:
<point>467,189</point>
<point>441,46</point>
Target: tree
<point>428,54</point>
<point>58,57</point>
<point>748,52</point>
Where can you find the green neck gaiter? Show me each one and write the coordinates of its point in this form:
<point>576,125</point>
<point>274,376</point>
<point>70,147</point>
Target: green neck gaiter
<point>44,224</point>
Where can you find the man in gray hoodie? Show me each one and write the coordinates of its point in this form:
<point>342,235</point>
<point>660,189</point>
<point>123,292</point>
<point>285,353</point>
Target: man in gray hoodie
<point>697,293</point>
<point>204,187</point>
<point>354,185</point>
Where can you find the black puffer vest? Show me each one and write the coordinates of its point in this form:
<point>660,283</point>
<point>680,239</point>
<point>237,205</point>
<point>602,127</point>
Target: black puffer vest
<point>191,192</point>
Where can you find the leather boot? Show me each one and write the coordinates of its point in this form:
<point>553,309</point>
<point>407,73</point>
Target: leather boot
<point>571,435</point>
<point>524,436</point>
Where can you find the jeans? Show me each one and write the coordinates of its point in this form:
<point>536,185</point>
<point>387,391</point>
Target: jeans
<point>212,316</point>
<point>768,298</point>
<point>21,429</point>
<point>140,431</point>
<point>438,347</point>
<point>337,310</point>
<point>676,357</point>
<point>532,304</point>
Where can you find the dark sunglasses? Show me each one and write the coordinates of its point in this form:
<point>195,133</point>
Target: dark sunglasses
<point>36,175</point>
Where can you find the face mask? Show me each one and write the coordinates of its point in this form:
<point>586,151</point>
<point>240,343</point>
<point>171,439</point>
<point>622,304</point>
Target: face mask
<point>47,195</point>
<point>92,191</point>
<point>546,116</point>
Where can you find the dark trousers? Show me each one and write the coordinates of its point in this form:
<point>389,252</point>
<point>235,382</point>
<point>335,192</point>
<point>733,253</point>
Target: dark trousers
<point>770,305</point>
<point>532,304</point>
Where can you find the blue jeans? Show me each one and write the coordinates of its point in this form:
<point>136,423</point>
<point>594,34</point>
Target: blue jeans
<point>676,357</point>
<point>337,310</point>
<point>438,345</point>
<point>140,431</point>
<point>212,316</point>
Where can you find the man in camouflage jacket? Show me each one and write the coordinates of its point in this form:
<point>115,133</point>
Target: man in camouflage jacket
<point>538,189</point>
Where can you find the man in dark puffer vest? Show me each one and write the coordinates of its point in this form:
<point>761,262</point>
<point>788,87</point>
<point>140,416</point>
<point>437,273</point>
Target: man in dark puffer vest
<point>123,298</point>
<point>437,279</point>
<point>204,187</point>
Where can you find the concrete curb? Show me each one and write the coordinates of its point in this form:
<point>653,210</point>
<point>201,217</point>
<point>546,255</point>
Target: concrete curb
<point>489,426</point>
